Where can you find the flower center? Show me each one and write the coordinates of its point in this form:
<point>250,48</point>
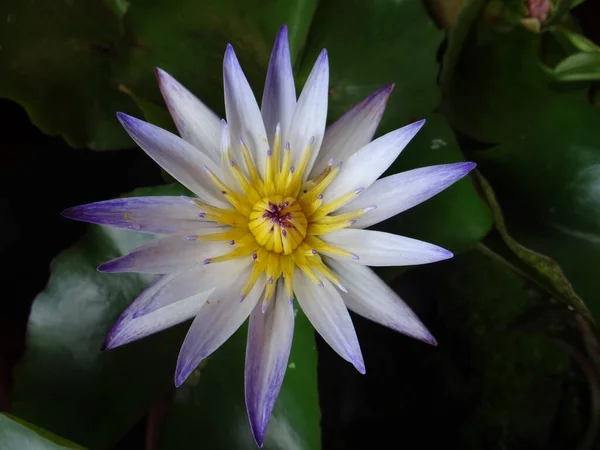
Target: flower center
<point>278,224</point>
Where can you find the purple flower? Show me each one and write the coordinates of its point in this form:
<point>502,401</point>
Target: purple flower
<point>276,216</point>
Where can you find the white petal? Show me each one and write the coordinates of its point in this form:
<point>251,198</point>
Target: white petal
<point>199,278</point>
<point>370,297</point>
<point>375,248</point>
<point>368,163</point>
<point>268,349</point>
<point>216,322</point>
<point>171,299</point>
<point>160,215</point>
<point>228,177</point>
<point>132,325</point>
<point>196,123</point>
<point>168,254</point>
<point>279,95</point>
<point>396,193</point>
<point>243,114</point>
<point>353,130</point>
<point>181,159</point>
<point>326,311</point>
<point>310,115</point>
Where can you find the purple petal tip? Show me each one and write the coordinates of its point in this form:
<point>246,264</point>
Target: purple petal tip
<point>447,254</point>
<point>359,364</point>
<point>469,165</point>
<point>105,267</point>
<point>431,340</point>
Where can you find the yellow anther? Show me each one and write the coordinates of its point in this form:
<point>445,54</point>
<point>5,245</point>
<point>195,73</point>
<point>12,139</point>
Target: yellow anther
<point>297,172</point>
<point>317,245</point>
<point>334,205</point>
<point>324,228</point>
<point>251,193</point>
<point>239,202</point>
<point>317,188</point>
<point>284,172</point>
<point>254,176</point>
<point>231,235</point>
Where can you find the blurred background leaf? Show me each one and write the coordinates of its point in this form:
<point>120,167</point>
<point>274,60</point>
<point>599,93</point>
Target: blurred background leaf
<point>547,183</point>
<point>498,378</point>
<point>371,44</point>
<point>16,434</point>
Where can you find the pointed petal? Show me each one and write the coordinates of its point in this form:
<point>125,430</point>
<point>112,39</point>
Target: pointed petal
<point>196,123</point>
<point>199,278</point>
<point>181,159</point>
<point>326,311</point>
<point>228,177</point>
<point>353,130</point>
<point>279,95</point>
<point>216,322</point>
<point>161,215</point>
<point>168,254</point>
<point>267,352</point>
<point>171,299</point>
<point>130,327</point>
<point>243,114</point>
<point>368,163</point>
<point>375,248</point>
<point>310,115</point>
<point>396,193</point>
<point>370,297</point>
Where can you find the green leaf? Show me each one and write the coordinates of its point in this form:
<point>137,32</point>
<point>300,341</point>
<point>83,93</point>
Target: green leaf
<point>56,59</point>
<point>547,183</point>
<point>187,38</point>
<point>578,67</point>
<point>67,385</point>
<point>576,40</point>
<point>16,434</point>
<point>374,43</point>
<point>496,380</point>
<point>65,62</point>
<point>456,218</point>
<point>493,81</point>
<point>210,408</point>
<point>546,272</point>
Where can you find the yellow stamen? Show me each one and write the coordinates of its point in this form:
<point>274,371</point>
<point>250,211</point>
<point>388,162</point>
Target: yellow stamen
<point>248,189</point>
<point>317,188</point>
<point>282,179</point>
<point>297,172</point>
<point>324,228</point>
<point>334,205</point>
<point>254,176</point>
<point>239,202</point>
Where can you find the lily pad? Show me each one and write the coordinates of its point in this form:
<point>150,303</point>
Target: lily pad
<point>187,38</point>
<point>16,434</point>
<point>56,59</point>
<point>374,43</point>
<point>494,84</point>
<point>65,384</point>
<point>547,182</point>
<point>70,64</point>
<point>542,269</point>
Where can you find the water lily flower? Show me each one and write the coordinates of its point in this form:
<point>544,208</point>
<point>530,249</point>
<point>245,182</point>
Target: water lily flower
<point>280,212</point>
